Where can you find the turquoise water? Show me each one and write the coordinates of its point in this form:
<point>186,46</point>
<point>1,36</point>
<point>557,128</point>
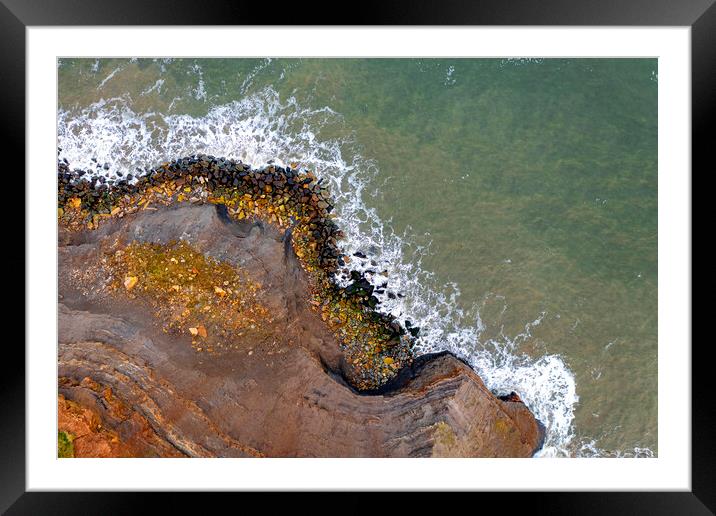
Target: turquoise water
<point>513,201</point>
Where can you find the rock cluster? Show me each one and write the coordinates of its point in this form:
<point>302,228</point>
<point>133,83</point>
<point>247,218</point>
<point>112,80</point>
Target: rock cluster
<point>375,344</point>
<point>295,196</point>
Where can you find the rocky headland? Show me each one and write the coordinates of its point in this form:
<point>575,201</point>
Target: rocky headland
<point>200,315</point>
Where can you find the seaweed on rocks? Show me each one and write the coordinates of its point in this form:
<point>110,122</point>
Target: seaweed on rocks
<point>375,346</point>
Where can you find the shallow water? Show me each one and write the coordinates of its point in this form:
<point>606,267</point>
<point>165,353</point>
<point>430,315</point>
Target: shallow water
<point>513,202</point>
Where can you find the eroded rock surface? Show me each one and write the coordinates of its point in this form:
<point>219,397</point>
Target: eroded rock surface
<point>281,394</point>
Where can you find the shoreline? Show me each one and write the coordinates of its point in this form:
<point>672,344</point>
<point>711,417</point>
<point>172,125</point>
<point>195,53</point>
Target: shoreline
<point>293,200</point>
<point>376,349</point>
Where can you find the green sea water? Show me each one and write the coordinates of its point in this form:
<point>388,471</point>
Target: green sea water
<point>528,185</point>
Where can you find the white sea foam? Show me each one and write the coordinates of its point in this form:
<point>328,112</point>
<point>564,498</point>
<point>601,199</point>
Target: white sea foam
<point>261,127</point>
<point>588,448</point>
<point>108,78</point>
<point>200,90</point>
<point>157,87</point>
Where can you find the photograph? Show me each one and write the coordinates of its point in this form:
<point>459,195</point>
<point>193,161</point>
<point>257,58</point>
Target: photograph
<point>354,257</point>
<point>424,250</point>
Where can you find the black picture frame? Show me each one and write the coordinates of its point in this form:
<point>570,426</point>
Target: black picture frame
<point>17,15</point>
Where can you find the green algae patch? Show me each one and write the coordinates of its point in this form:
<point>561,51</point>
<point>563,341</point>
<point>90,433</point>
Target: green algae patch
<point>446,442</point>
<point>192,294</point>
<point>444,434</point>
<point>503,427</point>
<point>65,447</point>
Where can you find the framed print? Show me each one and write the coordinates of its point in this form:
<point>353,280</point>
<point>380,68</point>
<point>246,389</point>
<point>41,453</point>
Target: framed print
<point>359,258</point>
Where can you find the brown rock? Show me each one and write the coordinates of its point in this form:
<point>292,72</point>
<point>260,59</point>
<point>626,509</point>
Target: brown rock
<point>90,438</point>
<point>280,395</point>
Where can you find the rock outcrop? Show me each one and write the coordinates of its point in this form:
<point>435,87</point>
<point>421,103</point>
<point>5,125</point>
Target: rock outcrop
<point>278,393</point>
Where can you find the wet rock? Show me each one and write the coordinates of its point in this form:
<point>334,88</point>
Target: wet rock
<point>413,330</point>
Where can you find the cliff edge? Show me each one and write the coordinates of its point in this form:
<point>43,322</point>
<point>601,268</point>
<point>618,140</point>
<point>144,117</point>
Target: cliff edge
<point>186,331</point>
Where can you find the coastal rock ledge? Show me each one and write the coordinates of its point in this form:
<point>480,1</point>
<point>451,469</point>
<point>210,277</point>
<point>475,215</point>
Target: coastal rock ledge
<point>132,383</point>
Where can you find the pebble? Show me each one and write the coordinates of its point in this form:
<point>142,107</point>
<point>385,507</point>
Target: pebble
<point>130,282</point>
